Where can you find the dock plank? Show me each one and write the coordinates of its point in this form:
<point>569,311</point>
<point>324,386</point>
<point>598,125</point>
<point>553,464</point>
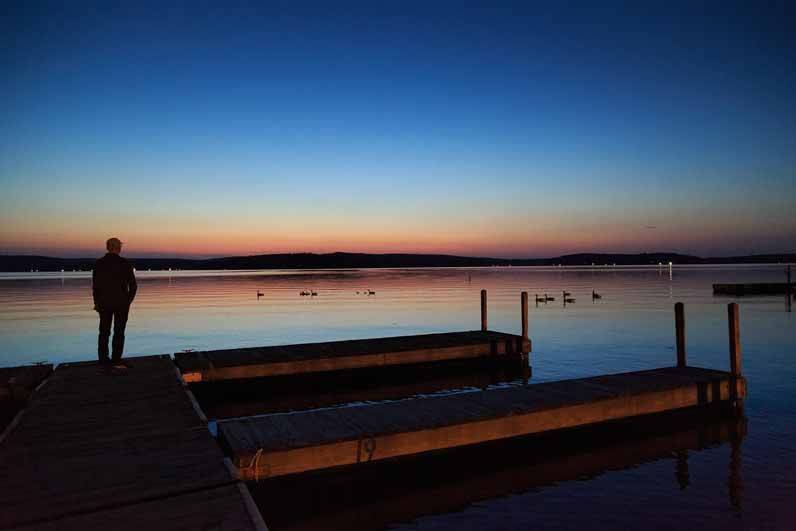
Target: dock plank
<point>50,483</point>
<point>295,442</point>
<point>17,383</point>
<point>259,362</point>
<point>222,509</point>
<point>107,446</point>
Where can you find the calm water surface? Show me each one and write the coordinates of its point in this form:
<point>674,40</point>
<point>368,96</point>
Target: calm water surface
<point>49,317</point>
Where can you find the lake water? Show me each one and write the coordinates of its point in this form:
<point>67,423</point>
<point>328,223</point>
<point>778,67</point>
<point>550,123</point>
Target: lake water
<point>744,485</point>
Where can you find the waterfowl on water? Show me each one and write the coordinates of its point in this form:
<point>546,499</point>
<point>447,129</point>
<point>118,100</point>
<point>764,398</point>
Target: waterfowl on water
<point>595,295</point>
<point>314,294</point>
<point>539,299</point>
<point>259,294</point>
<point>569,301</point>
<point>371,292</point>
<point>548,299</point>
<point>566,293</point>
<point>304,293</point>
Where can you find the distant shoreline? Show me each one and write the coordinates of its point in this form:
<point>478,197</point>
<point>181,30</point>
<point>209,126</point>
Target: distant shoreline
<point>28,263</point>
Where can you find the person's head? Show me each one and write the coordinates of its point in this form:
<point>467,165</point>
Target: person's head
<point>114,245</point>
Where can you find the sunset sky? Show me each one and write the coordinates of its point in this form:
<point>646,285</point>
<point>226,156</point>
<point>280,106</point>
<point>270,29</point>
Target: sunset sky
<point>520,131</point>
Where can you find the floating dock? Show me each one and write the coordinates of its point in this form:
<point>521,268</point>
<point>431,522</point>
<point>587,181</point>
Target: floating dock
<point>289,443</point>
<point>757,288</point>
<point>308,358</point>
<point>359,498</point>
<point>280,444</point>
<point>259,362</point>
<point>118,450</point>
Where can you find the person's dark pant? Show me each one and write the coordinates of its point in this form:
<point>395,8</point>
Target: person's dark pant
<point>119,318</point>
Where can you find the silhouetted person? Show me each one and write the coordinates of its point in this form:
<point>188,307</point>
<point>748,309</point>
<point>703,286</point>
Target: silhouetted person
<point>114,289</point>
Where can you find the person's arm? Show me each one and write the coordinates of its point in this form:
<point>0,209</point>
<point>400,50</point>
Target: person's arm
<point>132,285</point>
<point>94,288</point>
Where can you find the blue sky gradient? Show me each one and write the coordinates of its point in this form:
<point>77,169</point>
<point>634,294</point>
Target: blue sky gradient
<point>495,129</point>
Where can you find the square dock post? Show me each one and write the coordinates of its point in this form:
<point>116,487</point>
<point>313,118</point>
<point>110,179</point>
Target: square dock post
<point>679,324</point>
<point>735,353</point>
<point>483,310</point>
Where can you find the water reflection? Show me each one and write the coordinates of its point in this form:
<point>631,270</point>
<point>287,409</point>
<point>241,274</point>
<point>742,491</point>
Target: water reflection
<point>310,391</point>
<point>50,317</point>
<point>385,494</point>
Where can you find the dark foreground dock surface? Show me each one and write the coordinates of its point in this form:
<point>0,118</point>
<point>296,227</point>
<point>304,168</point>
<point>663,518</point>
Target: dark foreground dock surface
<point>279,444</point>
<point>17,383</point>
<point>16,386</point>
<point>125,450</point>
<point>217,365</point>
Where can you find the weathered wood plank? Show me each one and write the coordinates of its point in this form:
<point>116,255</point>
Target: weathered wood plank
<point>222,508</point>
<point>279,444</point>
<point>97,446</point>
<point>345,355</point>
<point>17,383</point>
<point>49,483</point>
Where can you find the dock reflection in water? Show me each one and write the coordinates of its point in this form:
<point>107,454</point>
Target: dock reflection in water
<point>386,494</point>
<point>241,398</point>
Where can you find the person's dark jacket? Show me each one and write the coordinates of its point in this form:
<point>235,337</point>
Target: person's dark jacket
<point>114,284</point>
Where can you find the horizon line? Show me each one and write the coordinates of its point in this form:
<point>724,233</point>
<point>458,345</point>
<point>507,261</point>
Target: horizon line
<point>481,257</point>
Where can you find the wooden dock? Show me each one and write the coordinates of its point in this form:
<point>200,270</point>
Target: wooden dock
<point>16,386</point>
<point>308,358</point>
<point>289,443</point>
<point>756,288</point>
<point>17,383</point>
<point>118,450</point>
<point>130,449</point>
<point>279,444</point>
<point>359,498</point>
<point>258,362</point>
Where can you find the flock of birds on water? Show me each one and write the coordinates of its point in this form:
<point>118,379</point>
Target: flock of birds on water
<point>566,296</point>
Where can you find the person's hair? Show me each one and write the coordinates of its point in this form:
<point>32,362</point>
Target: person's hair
<point>113,244</point>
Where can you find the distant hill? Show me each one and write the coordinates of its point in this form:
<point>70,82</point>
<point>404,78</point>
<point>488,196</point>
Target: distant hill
<point>21,263</point>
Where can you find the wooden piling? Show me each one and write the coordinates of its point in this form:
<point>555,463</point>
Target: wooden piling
<point>735,338</point>
<point>736,394</point>
<point>524,311</point>
<point>483,310</point>
<point>679,324</point>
